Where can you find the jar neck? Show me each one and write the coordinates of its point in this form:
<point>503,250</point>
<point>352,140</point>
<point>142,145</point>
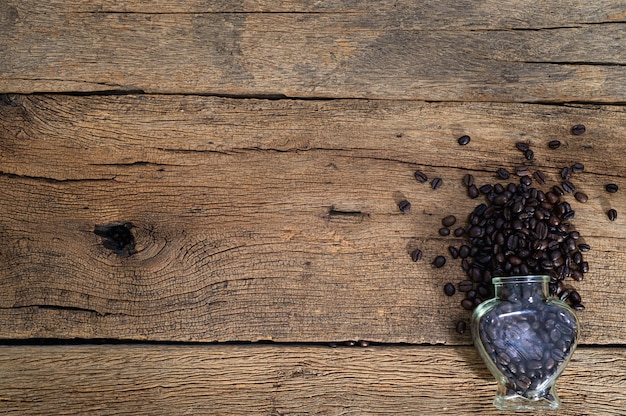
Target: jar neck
<point>521,288</point>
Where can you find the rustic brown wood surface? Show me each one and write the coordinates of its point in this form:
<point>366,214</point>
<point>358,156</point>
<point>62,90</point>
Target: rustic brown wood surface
<point>256,153</point>
<point>438,50</point>
<point>273,220</point>
<point>166,380</point>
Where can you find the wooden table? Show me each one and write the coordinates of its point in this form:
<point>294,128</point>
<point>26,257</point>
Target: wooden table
<point>255,154</point>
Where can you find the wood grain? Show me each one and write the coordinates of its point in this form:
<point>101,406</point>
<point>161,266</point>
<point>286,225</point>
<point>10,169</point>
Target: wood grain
<point>285,380</point>
<point>435,50</point>
<point>276,220</point>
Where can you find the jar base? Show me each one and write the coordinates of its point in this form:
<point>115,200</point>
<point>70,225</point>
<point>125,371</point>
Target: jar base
<point>514,401</point>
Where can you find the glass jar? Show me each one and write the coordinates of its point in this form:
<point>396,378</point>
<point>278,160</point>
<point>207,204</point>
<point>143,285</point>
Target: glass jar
<point>526,339</point>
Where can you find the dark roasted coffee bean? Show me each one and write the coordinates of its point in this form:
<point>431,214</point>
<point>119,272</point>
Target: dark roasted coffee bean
<point>498,188</point>
<point>578,129</point>
<point>578,167</point>
<point>522,171</point>
<point>448,221</point>
<point>459,231</point>
<point>463,140</point>
<point>416,255</point>
<point>404,206</point>
<point>439,261</point>
<point>552,198</point>
<point>464,251</point>
<point>522,147</point>
<point>466,286</point>
<point>611,187</point>
<point>449,289</point>
<point>566,173</point>
<point>444,231</point>
<point>558,190</point>
<point>468,179</point>
<point>579,307</point>
<point>454,252</point>
<point>581,197</point>
<point>540,177</point>
<point>503,173</point>
<point>467,304</point>
<point>436,183</point>
<point>461,326</point>
<point>529,154</point>
<point>525,180</point>
<point>485,189</point>
<point>577,275</point>
<point>584,267</point>
<point>472,191</point>
<point>420,176</point>
<point>554,144</point>
<point>574,297</point>
<point>612,214</point>
<point>584,247</point>
<point>568,187</point>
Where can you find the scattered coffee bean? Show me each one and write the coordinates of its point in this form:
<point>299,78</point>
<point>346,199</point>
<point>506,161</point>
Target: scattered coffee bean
<point>584,247</point>
<point>578,129</point>
<point>467,304</point>
<point>485,189</point>
<point>566,173</point>
<point>612,214</point>
<point>439,261</point>
<point>554,144</point>
<point>568,187</point>
<point>364,344</point>
<point>416,255</point>
<point>525,180</point>
<point>454,252</point>
<point>449,289</point>
<point>472,191</point>
<point>349,343</point>
<point>436,183</point>
<point>463,140</point>
<point>529,154</point>
<point>461,326</point>
<point>611,188</point>
<point>522,171</point>
<point>540,177</point>
<point>420,176</point>
<point>466,286</point>
<point>404,206</point>
<point>558,190</point>
<point>459,231</point>
<point>574,297</point>
<point>448,221</point>
<point>468,179</point>
<point>578,167</point>
<point>522,147</point>
<point>503,173</point>
<point>444,231</point>
<point>581,197</point>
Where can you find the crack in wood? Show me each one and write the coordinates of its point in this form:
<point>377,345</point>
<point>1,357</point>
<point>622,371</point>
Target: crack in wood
<point>61,308</point>
<point>53,180</point>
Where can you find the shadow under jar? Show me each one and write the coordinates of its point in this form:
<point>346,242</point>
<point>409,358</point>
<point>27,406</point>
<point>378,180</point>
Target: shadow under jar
<point>526,338</point>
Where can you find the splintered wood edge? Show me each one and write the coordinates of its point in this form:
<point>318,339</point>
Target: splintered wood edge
<point>275,379</point>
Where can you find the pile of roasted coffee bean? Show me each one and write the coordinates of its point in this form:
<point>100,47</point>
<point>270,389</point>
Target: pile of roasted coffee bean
<point>519,229</point>
<point>528,347</point>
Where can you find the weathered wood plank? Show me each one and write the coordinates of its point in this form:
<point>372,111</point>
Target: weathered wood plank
<point>473,51</point>
<point>260,219</point>
<point>155,380</point>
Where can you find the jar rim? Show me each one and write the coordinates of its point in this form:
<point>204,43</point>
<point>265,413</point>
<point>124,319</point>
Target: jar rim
<point>532,278</point>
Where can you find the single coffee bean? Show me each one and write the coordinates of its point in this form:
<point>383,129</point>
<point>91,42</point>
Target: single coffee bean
<point>416,255</point>
<point>540,177</point>
<point>579,307</point>
<point>448,221</point>
<point>466,286</point>
<point>584,247</point>
<point>554,144</point>
<point>463,140</point>
<point>449,289</point>
<point>454,252</point>
<point>468,179</point>
<point>558,190</point>
<point>485,189</point>
<point>420,176</point>
<point>581,197</point>
<point>566,173</point>
<point>404,206</point>
<point>574,297</point>
<point>521,146</point>
<point>436,183</point>
<point>578,167</point>
<point>522,171</point>
<point>472,191</point>
<point>568,187</point>
<point>439,261</point>
<point>503,173</point>
<point>464,251</point>
<point>529,154</point>
<point>612,214</point>
<point>525,180</point>
<point>459,231</point>
<point>444,231</point>
<point>611,187</point>
<point>578,129</point>
<point>467,304</point>
<point>461,326</point>
<point>584,267</point>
